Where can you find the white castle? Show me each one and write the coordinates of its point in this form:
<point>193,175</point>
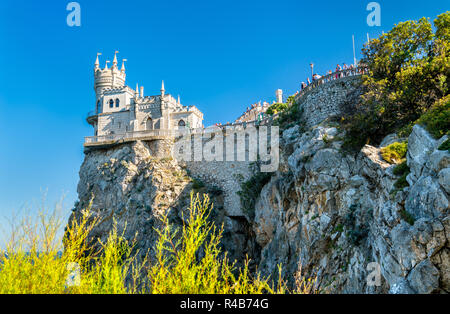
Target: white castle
<point>121,110</point>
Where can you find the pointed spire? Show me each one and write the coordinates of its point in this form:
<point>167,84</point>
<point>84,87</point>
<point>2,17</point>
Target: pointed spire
<point>137,89</point>
<point>123,65</point>
<point>106,65</point>
<point>97,63</point>
<point>115,59</point>
<point>179,102</point>
<point>163,91</point>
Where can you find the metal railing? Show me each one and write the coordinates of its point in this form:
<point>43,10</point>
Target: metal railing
<point>129,135</point>
<point>333,77</point>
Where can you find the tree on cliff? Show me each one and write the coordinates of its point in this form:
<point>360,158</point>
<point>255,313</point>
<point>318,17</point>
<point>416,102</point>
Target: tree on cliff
<point>409,71</point>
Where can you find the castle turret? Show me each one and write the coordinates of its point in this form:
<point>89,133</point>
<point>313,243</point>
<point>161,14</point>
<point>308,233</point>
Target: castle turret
<point>279,95</point>
<point>115,60</point>
<point>108,78</point>
<point>163,91</point>
<point>97,63</point>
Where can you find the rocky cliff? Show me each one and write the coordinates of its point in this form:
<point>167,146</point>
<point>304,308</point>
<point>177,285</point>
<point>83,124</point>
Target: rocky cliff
<point>341,217</point>
<point>127,184</point>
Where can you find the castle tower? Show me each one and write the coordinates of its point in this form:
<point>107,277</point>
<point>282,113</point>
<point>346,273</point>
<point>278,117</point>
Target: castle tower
<point>108,78</point>
<point>279,96</point>
<point>163,91</point>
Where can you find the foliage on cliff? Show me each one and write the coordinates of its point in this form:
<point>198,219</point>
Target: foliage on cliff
<point>395,153</point>
<point>409,71</point>
<point>187,260</point>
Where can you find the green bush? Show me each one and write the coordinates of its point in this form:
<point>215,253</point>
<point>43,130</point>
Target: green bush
<point>401,183</point>
<point>276,108</point>
<point>401,169</point>
<point>197,184</point>
<point>445,146</point>
<point>395,152</point>
<point>187,260</point>
<point>406,216</point>
<point>251,189</point>
<point>408,74</point>
<point>437,119</point>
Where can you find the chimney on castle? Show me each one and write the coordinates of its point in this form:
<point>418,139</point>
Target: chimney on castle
<point>142,91</point>
<point>279,95</point>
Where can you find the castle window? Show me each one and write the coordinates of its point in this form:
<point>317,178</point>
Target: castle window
<point>149,124</point>
<point>117,103</point>
<point>99,107</point>
<point>181,124</point>
<point>111,103</point>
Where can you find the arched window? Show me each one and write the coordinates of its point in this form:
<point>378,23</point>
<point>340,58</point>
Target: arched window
<point>149,124</point>
<point>117,103</point>
<point>181,124</point>
<point>111,103</point>
<point>99,106</point>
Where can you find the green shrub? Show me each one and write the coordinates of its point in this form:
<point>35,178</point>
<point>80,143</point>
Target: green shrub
<point>197,184</point>
<point>437,119</point>
<point>395,152</point>
<point>276,108</point>
<point>401,183</point>
<point>186,260</point>
<point>401,169</point>
<point>251,189</point>
<point>356,230</point>
<point>407,83</point>
<point>406,216</point>
<point>445,146</point>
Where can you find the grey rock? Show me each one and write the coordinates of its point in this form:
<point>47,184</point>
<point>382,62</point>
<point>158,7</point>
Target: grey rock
<point>390,139</point>
<point>444,179</point>
<point>424,278</point>
<point>420,145</point>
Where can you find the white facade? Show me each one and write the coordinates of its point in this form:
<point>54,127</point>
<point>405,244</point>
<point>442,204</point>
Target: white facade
<point>121,109</point>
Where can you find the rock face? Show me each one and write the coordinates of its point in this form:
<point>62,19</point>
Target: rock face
<point>337,214</point>
<point>340,217</point>
<point>130,185</point>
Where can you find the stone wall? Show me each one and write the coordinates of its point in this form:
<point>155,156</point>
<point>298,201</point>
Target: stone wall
<point>329,99</point>
<point>240,147</point>
<point>225,175</point>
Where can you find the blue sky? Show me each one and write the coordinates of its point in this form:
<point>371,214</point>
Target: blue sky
<point>218,55</point>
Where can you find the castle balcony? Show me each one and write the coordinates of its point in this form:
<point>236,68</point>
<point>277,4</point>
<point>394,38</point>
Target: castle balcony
<point>92,117</point>
<point>111,139</point>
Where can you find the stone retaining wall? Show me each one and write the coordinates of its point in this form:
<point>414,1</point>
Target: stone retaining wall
<point>329,99</point>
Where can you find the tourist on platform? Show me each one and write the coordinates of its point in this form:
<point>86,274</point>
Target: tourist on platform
<point>338,69</point>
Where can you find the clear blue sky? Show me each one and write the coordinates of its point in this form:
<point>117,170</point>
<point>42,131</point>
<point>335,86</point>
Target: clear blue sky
<point>218,55</point>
